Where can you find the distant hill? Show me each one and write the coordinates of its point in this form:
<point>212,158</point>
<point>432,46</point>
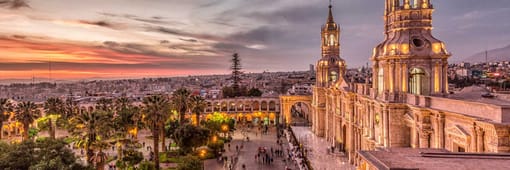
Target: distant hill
<point>498,54</point>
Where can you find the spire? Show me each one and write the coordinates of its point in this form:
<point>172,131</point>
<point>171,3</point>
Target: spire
<point>330,16</point>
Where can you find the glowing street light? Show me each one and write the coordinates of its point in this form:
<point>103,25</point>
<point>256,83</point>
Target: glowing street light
<point>224,128</point>
<point>202,153</point>
<point>214,138</point>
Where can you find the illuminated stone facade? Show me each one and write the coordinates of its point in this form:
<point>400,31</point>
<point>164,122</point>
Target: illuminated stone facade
<point>407,104</point>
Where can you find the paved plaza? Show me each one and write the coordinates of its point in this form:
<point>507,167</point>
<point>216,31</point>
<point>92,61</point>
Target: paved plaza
<point>318,154</point>
<point>247,154</point>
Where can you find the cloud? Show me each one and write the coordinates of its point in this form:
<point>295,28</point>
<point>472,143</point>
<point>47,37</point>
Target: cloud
<point>211,3</point>
<point>188,40</point>
<point>14,4</point>
<point>181,33</point>
<point>106,24</point>
<point>157,20</point>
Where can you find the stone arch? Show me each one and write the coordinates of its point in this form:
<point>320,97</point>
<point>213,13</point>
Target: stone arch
<point>239,106</point>
<point>224,106</point>
<point>247,106</point>
<point>256,105</point>
<point>209,106</point>
<point>286,103</point>
<point>231,106</point>
<point>216,107</point>
<point>272,105</point>
<point>263,105</point>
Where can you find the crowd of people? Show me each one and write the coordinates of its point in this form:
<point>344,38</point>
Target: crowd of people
<point>295,153</point>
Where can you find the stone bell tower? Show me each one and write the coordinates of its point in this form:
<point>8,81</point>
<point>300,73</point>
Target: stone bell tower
<point>330,69</point>
<point>410,59</point>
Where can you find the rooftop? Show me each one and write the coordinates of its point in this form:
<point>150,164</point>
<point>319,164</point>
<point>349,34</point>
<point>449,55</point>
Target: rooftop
<point>474,94</point>
<point>434,159</point>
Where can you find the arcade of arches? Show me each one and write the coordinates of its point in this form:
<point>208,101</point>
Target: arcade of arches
<point>247,110</point>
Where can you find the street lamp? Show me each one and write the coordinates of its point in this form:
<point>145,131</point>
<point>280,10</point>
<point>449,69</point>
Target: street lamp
<point>214,139</point>
<point>202,153</point>
<point>224,128</point>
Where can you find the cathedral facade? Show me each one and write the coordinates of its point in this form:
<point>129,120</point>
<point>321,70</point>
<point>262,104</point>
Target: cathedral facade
<point>406,103</point>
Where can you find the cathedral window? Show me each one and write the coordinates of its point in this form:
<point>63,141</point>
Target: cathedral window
<point>333,76</point>
<point>331,40</point>
<point>418,81</point>
<point>380,80</point>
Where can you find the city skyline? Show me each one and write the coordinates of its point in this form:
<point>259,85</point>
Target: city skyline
<point>134,39</point>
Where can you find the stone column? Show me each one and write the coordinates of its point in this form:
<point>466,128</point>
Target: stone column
<point>473,143</point>
<point>480,135</point>
<point>386,129</point>
<point>441,131</point>
<point>425,139</point>
<point>445,77</point>
<point>371,122</point>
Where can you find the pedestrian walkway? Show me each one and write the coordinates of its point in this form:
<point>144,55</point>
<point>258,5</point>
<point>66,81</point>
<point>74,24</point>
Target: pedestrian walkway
<point>318,154</point>
<point>250,148</point>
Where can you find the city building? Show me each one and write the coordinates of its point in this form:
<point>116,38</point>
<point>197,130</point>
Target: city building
<point>407,103</point>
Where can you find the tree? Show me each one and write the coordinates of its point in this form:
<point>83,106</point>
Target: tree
<point>130,159</point>
<point>189,137</point>
<point>236,72</point>
<point>40,155</point>
<point>146,165</point>
<point>170,127</point>
<point>190,163</point>
<point>156,108</point>
<point>53,106</point>
<point>197,105</point>
<point>5,109</point>
<point>180,102</point>
<point>26,113</point>
<point>254,92</point>
<point>227,92</point>
<point>125,120</point>
<point>90,129</point>
<point>70,107</point>
<point>104,104</point>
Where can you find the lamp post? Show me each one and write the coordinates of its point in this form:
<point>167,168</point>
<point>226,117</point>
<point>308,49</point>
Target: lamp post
<point>224,128</point>
<point>203,154</point>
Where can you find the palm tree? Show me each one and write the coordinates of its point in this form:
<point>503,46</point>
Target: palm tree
<point>180,100</point>
<point>125,121</point>
<point>197,104</point>
<point>70,107</point>
<point>91,129</point>
<point>26,113</point>
<point>5,108</point>
<point>156,112</point>
<point>104,104</point>
<point>54,107</point>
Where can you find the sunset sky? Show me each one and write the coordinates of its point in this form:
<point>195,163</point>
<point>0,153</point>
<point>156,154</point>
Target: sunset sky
<point>148,38</point>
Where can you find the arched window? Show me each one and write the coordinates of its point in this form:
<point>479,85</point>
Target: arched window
<point>272,106</point>
<point>418,82</point>
<point>333,76</point>
<point>380,80</point>
<point>263,106</point>
<point>331,39</point>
